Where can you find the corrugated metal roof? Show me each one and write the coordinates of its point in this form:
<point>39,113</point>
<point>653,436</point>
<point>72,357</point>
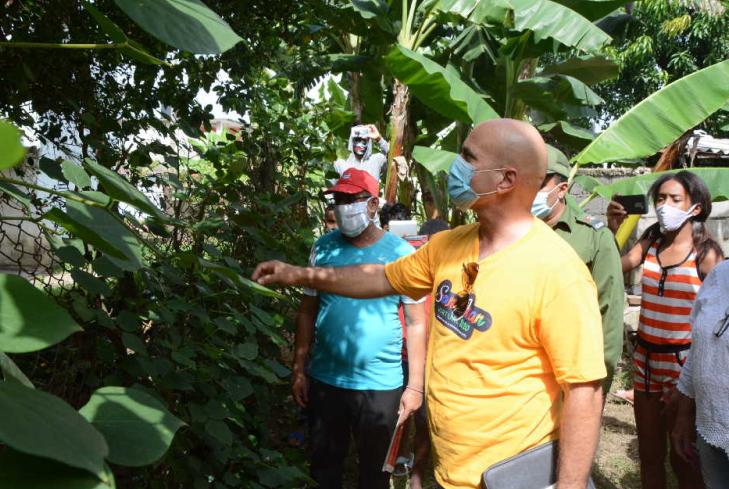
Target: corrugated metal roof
<point>707,144</point>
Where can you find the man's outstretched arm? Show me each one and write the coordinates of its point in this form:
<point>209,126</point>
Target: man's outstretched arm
<point>360,281</point>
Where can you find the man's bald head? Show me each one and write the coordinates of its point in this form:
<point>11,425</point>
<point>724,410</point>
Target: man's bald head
<point>509,143</point>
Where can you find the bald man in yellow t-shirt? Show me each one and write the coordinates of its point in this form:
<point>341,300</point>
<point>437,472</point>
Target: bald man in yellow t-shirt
<point>515,350</point>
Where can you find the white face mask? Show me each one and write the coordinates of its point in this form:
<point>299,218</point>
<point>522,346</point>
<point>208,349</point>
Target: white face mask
<point>353,219</point>
<point>672,218</point>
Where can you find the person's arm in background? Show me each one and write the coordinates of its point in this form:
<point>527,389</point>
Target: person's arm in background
<point>608,276</point>
<point>616,214</point>
<point>376,137</point>
<point>412,396</point>
<point>305,321</point>
<point>683,434</point>
<point>579,433</point>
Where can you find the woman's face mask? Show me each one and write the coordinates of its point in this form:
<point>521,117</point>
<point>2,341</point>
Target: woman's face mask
<point>672,218</point>
<point>459,183</point>
<point>540,207</point>
<point>354,218</point>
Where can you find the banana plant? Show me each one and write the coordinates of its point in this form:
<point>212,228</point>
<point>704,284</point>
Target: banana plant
<point>655,123</point>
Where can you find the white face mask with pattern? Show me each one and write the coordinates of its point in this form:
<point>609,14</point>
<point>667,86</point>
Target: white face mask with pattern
<point>672,218</point>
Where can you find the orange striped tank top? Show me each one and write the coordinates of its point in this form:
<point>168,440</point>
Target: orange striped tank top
<point>668,294</point>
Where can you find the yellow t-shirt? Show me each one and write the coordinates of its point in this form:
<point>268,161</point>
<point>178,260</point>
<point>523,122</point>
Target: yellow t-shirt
<point>493,376</point>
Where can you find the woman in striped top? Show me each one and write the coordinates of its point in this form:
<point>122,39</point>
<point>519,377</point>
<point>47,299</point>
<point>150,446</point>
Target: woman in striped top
<point>676,254</point>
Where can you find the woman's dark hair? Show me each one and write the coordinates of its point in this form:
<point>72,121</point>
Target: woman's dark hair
<point>699,194</point>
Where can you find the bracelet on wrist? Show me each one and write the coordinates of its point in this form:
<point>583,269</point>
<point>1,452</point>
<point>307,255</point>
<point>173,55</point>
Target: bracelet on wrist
<point>414,389</point>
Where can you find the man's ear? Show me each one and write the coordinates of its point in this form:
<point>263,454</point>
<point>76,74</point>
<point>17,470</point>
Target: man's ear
<point>563,188</point>
<point>373,205</point>
<point>509,181</point>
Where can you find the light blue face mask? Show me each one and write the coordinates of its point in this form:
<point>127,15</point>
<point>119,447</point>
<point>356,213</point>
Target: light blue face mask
<point>540,208</point>
<point>459,183</point>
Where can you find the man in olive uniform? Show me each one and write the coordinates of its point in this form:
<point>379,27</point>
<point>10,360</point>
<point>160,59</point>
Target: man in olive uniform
<point>595,245</point>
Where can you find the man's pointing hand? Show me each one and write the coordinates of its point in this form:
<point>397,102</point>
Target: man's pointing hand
<point>278,272</point>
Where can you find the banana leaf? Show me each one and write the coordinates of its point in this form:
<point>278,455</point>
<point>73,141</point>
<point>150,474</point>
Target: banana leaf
<point>662,117</point>
<point>438,88</point>
<point>183,24</point>
<point>587,69</point>
<point>433,160</point>
<point>555,95</point>
<point>568,134</point>
<point>550,20</point>
<point>717,179</point>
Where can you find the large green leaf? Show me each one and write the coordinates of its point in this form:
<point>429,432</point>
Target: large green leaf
<point>118,188</point>
<point>717,179</point>
<point>29,319</point>
<point>588,183</point>
<point>37,423</point>
<point>78,229</point>
<point>438,88</point>
<point>477,11</point>
<point>234,278</point>
<point>18,470</point>
<point>184,24</point>
<point>75,174</point>
<point>137,427</point>
<point>555,95</point>
<point>434,160</point>
<point>112,231</point>
<point>550,20</point>
<point>587,69</point>
<point>376,10</point>
<point>662,117</point>
<point>12,372</point>
<point>566,133</point>
<point>12,150</point>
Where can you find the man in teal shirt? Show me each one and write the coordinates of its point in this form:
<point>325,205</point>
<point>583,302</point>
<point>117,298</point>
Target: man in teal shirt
<point>595,245</point>
<point>348,352</point>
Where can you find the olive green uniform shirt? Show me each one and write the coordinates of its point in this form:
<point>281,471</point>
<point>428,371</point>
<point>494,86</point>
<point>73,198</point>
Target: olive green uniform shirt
<point>595,245</point>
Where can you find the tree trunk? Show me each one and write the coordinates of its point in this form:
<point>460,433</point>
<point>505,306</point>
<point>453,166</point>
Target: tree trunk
<point>356,96</point>
<point>399,144</point>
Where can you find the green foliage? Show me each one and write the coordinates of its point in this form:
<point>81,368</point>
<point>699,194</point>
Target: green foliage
<point>550,20</point>
<point>662,41</point>
<point>717,179</point>
<point>169,316</point>
<point>21,470</point>
<point>438,88</point>
<point>434,160</point>
<point>13,150</point>
<point>184,24</point>
<point>37,423</point>
<point>138,427</point>
<point>661,118</point>
<point>25,315</point>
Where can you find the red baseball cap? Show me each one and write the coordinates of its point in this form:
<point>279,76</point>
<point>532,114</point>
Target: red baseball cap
<point>354,181</point>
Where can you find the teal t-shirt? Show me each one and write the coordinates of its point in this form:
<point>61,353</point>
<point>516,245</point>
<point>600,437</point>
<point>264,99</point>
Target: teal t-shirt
<point>357,342</point>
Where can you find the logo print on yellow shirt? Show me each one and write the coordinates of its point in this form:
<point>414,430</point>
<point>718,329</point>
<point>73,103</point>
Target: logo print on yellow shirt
<point>472,318</point>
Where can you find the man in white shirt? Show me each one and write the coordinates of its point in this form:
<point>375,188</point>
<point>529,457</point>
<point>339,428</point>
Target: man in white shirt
<point>361,138</point>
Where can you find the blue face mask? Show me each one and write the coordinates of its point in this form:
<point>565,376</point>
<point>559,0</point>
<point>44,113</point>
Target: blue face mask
<point>459,183</point>
<point>540,208</point>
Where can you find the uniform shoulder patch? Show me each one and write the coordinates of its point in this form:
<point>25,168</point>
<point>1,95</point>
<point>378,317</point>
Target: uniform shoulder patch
<point>592,221</point>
